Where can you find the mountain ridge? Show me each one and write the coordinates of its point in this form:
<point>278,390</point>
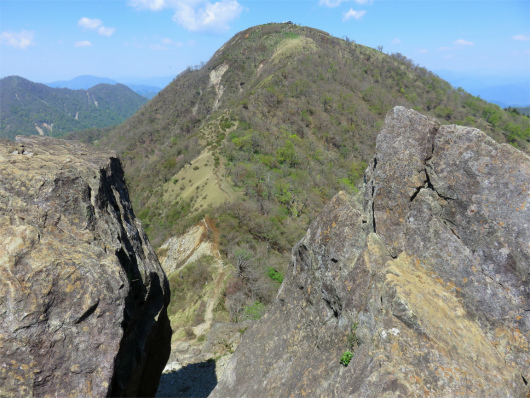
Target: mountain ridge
<point>262,137</point>
<point>34,108</point>
<point>85,82</point>
<point>289,80</point>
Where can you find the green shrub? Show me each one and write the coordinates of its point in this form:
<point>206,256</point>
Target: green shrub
<point>225,125</point>
<point>275,275</point>
<point>346,358</point>
<point>254,311</point>
<point>169,163</point>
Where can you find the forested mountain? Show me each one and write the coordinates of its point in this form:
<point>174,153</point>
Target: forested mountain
<point>32,108</point>
<point>86,81</point>
<point>263,135</point>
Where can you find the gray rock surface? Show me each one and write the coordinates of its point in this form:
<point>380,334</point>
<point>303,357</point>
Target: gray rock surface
<point>424,277</point>
<point>82,296</point>
<point>224,338</point>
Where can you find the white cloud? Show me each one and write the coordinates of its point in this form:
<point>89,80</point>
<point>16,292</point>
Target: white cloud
<point>197,15</point>
<point>353,14</point>
<point>445,48</point>
<point>335,3</point>
<point>462,42</point>
<point>21,40</point>
<point>165,40</point>
<point>95,24</point>
<point>449,56</point>
<point>331,3</point>
<point>396,41</point>
<point>423,50</point>
<point>153,5</point>
<point>103,31</point>
<point>88,23</point>
<point>207,16</point>
<point>84,43</point>
<point>521,37</point>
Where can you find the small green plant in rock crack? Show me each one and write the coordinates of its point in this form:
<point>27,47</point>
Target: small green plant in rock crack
<point>353,342</point>
<point>346,358</point>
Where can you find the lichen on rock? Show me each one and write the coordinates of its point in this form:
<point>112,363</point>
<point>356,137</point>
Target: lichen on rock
<point>82,295</point>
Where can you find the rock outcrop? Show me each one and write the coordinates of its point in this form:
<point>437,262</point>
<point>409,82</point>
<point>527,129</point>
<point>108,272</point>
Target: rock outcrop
<point>424,279</point>
<point>82,295</point>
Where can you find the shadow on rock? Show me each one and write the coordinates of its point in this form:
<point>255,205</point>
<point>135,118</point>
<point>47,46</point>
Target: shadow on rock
<point>195,380</point>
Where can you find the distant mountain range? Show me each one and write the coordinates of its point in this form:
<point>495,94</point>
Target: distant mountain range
<point>501,90</point>
<point>81,82</point>
<point>86,81</point>
<point>33,108</point>
<point>506,95</point>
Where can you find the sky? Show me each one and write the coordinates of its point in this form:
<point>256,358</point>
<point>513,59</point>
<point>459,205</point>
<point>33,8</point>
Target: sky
<point>45,40</point>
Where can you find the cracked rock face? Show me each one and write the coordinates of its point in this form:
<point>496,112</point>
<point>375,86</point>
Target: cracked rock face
<point>429,272</point>
<point>82,296</point>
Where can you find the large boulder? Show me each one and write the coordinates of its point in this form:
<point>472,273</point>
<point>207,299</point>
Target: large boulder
<point>424,278</point>
<point>82,295</point>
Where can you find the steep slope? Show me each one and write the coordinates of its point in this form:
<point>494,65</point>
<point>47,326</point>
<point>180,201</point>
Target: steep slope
<point>419,287</point>
<point>83,299</point>
<point>279,81</point>
<point>262,136</point>
<point>31,108</point>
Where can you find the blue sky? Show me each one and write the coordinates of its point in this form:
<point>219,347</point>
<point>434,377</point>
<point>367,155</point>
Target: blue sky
<point>57,40</point>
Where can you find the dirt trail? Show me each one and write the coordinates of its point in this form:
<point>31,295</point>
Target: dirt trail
<point>216,233</point>
<point>219,182</point>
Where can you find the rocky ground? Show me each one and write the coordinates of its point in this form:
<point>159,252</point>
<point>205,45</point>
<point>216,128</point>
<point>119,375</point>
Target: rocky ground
<point>194,373</point>
<point>83,298</point>
<point>423,279</point>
